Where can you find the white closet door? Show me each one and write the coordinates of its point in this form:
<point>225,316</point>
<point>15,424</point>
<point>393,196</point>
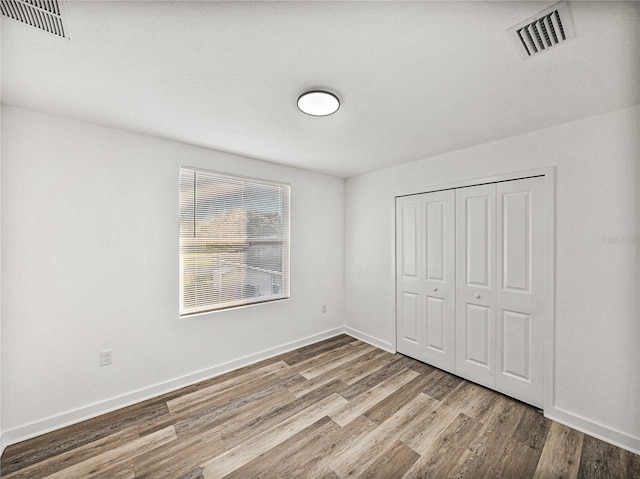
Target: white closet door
<point>520,292</point>
<point>409,252</point>
<point>471,283</point>
<point>476,284</point>
<point>439,279</point>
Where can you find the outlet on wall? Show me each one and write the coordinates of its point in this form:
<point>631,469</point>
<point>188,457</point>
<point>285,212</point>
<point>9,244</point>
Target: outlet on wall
<point>324,308</point>
<point>106,358</point>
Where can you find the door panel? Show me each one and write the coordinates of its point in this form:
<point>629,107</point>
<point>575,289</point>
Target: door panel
<point>520,292</point>
<point>439,284</point>
<point>477,341</point>
<point>516,344</point>
<point>478,224</point>
<point>516,240</point>
<point>435,211</point>
<point>436,326</point>
<point>410,318</point>
<point>475,284</point>
<point>409,238</point>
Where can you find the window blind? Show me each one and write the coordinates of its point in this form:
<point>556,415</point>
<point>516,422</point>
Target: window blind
<point>234,241</point>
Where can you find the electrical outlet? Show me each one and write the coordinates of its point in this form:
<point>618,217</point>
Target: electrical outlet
<point>324,308</point>
<point>106,358</point>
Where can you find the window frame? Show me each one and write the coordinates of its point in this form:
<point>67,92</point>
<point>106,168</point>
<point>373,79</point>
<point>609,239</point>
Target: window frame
<point>285,242</point>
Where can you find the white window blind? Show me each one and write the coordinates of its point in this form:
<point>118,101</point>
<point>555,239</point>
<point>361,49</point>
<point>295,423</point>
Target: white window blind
<point>234,241</point>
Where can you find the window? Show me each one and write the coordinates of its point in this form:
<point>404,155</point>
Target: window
<point>234,241</point>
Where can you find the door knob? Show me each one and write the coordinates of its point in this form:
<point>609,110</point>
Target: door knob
<point>435,289</point>
<point>477,295</point>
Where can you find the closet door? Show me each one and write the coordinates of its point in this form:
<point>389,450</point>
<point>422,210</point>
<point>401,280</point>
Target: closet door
<point>470,283</point>
<point>409,276</point>
<point>439,279</point>
<point>476,284</point>
<point>520,292</point>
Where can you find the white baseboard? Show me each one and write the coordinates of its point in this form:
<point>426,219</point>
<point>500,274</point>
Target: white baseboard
<point>379,343</point>
<point>37,428</point>
<point>591,428</point>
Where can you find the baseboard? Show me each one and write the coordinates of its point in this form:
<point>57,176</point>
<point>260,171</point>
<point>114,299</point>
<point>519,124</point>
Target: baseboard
<point>591,428</point>
<point>37,428</point>
<point>379,343</point>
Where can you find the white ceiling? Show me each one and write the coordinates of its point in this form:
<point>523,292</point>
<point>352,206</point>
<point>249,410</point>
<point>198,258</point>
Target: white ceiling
<point>416,79</point>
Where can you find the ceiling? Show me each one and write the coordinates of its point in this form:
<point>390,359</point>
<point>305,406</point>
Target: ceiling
<point>415,79</point>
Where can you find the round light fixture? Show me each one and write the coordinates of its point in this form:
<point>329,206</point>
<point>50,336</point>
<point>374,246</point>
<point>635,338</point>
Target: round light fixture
<point>318,103</point>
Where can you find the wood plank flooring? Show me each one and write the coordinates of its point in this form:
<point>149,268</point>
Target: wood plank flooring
<point>338,408</point>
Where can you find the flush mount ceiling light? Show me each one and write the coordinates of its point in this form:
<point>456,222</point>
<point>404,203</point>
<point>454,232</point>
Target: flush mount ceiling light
<point>318,103</point>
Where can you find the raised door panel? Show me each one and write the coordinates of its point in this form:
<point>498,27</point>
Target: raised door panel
<point>436,324</point>
<point>409,272</point>
<point>477,238</point>
<point>410,227</point>
<point>520,291</point>
<point>435,210</point>
<point>410,318</point>
<point>516,345</point>
<point>515,240</point>
<point>439,278</point>
<point>477,343</point>
<point>475,284</point>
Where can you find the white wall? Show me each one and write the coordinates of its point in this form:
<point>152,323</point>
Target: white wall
<point>90,262</point>
<point>597,332</point>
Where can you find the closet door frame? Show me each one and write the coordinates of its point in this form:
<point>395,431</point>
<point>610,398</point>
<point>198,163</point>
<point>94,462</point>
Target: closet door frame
<point>549,174</point>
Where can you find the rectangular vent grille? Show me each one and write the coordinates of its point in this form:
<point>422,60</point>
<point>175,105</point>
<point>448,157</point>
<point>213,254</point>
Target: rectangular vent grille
<point>549,28</point>
<point>45,15</point>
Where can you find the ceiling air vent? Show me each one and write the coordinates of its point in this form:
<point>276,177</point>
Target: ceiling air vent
<point>47,15</point>
<point>549,28</point>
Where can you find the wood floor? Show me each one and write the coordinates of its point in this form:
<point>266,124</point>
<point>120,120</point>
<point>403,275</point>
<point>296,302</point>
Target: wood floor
<point>338,408</point>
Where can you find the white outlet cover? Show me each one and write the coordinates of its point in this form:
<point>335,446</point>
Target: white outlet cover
<point>106,358</point>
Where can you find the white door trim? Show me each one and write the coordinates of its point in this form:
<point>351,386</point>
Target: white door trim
<point>549,173</point>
